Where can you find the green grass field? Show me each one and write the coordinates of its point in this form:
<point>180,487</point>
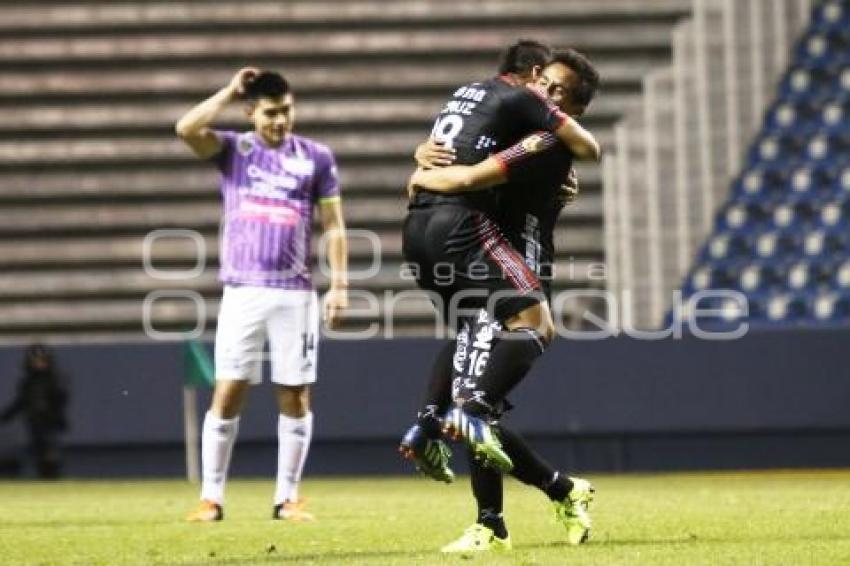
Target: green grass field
<point>787,518</point>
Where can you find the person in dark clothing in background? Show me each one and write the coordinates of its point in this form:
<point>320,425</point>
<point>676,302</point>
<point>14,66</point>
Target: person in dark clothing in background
<point>41,400</point>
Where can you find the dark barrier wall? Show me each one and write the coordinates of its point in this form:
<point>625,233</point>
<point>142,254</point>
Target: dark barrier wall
<point>770,398</point>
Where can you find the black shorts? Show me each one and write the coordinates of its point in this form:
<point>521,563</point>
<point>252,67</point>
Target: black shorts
<point>543,268</point>
<point>462,257</point>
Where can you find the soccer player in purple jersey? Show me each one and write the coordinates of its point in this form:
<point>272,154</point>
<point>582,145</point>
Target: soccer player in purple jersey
<point>271,180</point>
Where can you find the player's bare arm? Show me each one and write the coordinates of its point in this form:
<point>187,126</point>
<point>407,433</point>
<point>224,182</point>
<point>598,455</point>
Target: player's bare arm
<point>460,178</point>
<point>485,174</point>
<point>194,127</point>
<point>333,224</point>
<point>579,141</point>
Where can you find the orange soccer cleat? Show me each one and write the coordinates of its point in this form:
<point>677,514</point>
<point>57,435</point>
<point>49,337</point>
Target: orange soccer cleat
<point>292,511</point>
<point>206,512</point>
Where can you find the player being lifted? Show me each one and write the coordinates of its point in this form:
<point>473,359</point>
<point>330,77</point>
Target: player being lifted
<point>457,230</point>
<point>271,181</point>
<point>535,171</point>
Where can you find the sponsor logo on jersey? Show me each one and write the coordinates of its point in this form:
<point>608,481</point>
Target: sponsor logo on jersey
<point>297,166</point>
<point>258,211</point>
<point>485,142</point>
<point>533,143</point>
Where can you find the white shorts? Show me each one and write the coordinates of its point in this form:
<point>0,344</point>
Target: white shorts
<point>287,318</point>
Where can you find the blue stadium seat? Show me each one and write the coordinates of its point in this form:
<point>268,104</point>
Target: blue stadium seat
<point>828,147</point>
<point>808,81</point>
<point>841,275</point>
<point>785,307</point>
<point>780,147</point>
<point>712,275</point>
<point>744,214</point>
<point>841,182</point>
<point>760,276</point>
<point>835,213</point>
<point>808,274</point>
<point>762,181</point>
<point>803,114</point>
<point>797,211</point>
<point>776,244</point>
<point>823,243</point>
<point>832,15</point>
<point>812,181</point>
<point>844,79</point>
<point>830,306</point>
<point>834,115</point>
<point>825,47</point>
<point>726,245</point>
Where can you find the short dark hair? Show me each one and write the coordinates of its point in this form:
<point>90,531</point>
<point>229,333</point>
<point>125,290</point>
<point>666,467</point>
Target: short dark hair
<point>521,57</point>
<point>266,84</point>
<point>583,92</point>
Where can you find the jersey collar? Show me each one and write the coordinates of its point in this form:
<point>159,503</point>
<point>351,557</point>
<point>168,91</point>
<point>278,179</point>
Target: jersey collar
<point>508,79</point>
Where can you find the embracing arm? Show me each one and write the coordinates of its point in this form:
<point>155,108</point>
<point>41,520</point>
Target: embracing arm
<point>461,178</point>
<point>532,109</point>
<point>580,142</point>
<point>485,174</point>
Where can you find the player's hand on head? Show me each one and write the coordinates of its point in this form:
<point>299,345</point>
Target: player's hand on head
<point>334,302</point>
<point>434,154</point>
<point>241,80</point>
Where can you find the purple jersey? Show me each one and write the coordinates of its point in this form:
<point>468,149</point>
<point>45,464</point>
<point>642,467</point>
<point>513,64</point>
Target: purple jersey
<point>269,194</point>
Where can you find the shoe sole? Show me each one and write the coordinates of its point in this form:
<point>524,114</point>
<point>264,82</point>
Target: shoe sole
<point>409,454</point>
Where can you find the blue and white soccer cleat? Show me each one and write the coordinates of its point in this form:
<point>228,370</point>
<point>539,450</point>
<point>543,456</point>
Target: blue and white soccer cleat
<point>430,455</point>
<point>479,436</point>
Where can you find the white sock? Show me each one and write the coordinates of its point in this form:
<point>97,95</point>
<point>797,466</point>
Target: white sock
<point>293,442</point>
<point>216,447</point>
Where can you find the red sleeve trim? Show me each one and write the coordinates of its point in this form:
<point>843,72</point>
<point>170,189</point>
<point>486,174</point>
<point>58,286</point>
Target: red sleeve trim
<point>500,161</point>
<point>561,118</point>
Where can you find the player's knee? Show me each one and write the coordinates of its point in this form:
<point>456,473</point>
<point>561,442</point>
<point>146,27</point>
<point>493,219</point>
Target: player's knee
<point>536,317</point>
<point>228,398</point>
<point>294,401</point>
<point>546,329</point>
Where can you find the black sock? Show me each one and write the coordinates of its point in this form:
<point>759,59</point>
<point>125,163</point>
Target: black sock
<point>495,523</point>
<point>510,360</point>
<point>439,394</point>
<point>530,468</point>
<point>487,489</point>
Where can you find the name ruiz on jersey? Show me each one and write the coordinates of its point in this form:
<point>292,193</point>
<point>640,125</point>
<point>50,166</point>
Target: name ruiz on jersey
<point>469,99</point>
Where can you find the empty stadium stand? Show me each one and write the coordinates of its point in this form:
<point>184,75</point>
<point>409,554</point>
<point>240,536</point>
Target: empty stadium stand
<point>90,168</point>
<point>782,237</point>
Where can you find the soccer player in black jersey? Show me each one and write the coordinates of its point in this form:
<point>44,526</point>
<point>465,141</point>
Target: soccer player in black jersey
<point>458,231</point>
<point>535,177</point>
